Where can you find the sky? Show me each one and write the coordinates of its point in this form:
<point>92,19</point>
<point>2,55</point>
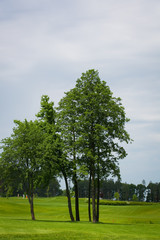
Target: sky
<point>45,46</point>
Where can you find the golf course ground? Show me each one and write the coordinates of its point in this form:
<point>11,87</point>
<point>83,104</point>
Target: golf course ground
<point>53,222</point>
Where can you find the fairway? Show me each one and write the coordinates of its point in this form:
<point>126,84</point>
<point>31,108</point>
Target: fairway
<point>52,221</point>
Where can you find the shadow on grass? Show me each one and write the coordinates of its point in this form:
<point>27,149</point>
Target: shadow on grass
<point>75,222</point>
<point>38,220</point>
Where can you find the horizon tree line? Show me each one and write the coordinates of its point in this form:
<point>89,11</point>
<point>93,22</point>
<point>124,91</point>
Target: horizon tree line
<point>108,188</point>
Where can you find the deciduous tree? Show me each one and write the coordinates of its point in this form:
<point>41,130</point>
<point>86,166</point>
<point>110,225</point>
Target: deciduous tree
<point>22,158</point>
<point>69,129</point>
<point>55,145</point>
<point>93,122</point>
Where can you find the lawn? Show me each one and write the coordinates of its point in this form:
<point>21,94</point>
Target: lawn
<point>52,221</point>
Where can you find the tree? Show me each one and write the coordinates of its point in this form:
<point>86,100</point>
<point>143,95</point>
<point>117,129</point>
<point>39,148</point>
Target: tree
<point>102,122</point>
<point>68,126</point>
<point>132,191</point>
<point>55,145</point>
<point>124,192</point>
<point>141,192</point>
<point>116,195</point>
<point>22,158</point>
<point>47,113</point>
<point>93,124</point>
<point>108,188</point>
<point>134,198</point>
<point>83,188</point>
<point>153,192</point>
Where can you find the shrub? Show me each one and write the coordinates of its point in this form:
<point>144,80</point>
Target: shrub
<point>121,203</point>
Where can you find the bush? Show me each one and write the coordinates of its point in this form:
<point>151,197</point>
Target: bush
<point>121,203</point>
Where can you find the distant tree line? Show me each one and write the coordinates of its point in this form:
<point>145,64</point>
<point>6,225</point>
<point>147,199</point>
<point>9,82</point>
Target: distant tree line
<point>108,190</point>
<point>81,138</point>
<point>126,192</point>
<point>51,190</point>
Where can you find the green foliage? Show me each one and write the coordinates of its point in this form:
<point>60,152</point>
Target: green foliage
<point>116,195</point>
<point>51,190</point>
<point>92,122</point>
<point>101,120</point>
<point>135,198</point>
<point>21,158</point>
<point>141,188</point>
<point>153,190</point>
<point>47,112</point>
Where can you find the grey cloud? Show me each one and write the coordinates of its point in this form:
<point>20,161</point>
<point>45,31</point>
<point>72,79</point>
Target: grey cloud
<point>46,45</point>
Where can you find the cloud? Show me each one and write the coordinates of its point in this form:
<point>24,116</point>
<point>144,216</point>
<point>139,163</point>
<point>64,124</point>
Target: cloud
<point>82,32</point>
<point>46,45</point>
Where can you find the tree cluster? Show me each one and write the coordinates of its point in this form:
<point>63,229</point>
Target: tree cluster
<point>81,138</point>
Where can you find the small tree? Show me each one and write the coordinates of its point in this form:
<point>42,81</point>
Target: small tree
<point>116,196</point>
<point>55,146</point>
<point>69,129</point>
<point>134,198</point>
<point>22,158</point>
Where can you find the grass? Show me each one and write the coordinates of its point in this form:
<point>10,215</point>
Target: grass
<point>52,221</point>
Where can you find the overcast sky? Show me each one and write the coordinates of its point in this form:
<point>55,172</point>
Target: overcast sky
<point>45,45</point>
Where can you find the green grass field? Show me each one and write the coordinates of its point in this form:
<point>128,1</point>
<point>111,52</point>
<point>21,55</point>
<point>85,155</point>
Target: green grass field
<point>53,223</point>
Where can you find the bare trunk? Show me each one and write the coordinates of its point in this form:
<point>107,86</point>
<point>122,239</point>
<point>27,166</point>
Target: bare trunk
<point>30,194</point>
<point>69,198</point>
<point>89,199</point>
<point>30,198</point>
<point>93,198</point>
<point>98,193</point>
<point>75,181</point>
<point>98,187</point>
<point>76,198</point>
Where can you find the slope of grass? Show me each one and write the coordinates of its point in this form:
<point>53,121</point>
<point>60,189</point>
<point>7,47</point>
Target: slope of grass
<point>117,222</point>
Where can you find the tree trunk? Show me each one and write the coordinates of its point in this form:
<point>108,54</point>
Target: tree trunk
<point>89,199</point>
<point>69,198</point>
<point>98,186</point>
<point>30,199</point>
<point>98,189</point>
<point>98,193</point>
<point>76,198</point>
<point>30,194</point>
<point>93,199</point>
<point>75,181</point>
